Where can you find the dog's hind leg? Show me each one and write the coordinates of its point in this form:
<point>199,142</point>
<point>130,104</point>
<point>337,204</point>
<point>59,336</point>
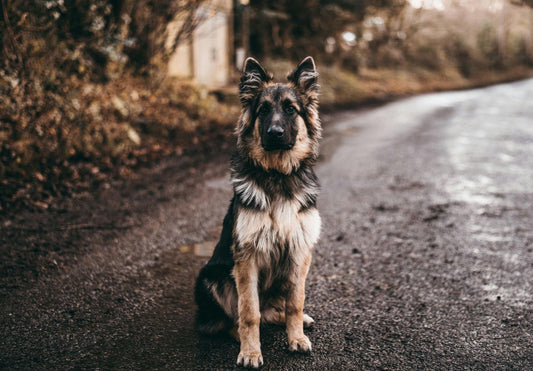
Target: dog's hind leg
<point>216,298</point>
<point>308,321</point>
<point>210,317</point>
<point>274,313</point>
<point>273,310</point>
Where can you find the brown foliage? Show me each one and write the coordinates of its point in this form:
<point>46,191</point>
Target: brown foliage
<point>80,134</point>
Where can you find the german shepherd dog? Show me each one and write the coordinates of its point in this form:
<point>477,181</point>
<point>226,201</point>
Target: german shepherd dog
<point>258,268</point>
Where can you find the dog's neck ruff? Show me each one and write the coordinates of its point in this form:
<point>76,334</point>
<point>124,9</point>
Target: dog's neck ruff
<point>257,188</point>
<point>285,162</point>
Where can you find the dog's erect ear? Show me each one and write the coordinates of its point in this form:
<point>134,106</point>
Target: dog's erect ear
<point>253,79</point>
<point>252,66</point>
<point>305,76</point>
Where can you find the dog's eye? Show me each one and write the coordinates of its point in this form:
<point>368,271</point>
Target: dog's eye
<point>290,110</point>
<point>263,111</point>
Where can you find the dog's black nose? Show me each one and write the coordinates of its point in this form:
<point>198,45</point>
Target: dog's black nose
<point>275,131</point>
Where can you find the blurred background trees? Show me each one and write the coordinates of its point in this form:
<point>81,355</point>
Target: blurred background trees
<point>84,37</point>
<point>85,88</point>
<point>98,39</point>
<point>433,34</point>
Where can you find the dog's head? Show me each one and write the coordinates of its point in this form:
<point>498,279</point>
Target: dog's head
<point>279,126</point>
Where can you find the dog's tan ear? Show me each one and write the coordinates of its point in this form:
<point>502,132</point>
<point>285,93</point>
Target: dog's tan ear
<point>253,79</point>
<point>305,76</point>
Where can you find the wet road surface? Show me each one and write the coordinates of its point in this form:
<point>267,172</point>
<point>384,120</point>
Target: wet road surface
<point>425,259</point>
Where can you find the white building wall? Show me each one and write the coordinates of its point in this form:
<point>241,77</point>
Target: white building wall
<point>206,57</point>
<point>179,63</point>
<point>210,48</point>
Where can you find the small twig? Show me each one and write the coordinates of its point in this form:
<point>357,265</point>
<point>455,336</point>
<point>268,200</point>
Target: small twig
<point>70,227</point>
<point>11,35</point>
<point>95,226</point>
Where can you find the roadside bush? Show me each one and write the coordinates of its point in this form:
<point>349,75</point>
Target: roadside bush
<point>426,53</point>
<point>487,43</point>
<point>350,62</point>
<point>519,51</point>
<point>390,56</point>
<point>462,55</point>
<point>50,132</point>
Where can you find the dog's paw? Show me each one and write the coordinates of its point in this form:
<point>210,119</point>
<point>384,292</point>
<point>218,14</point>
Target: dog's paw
<point>302,345</point>
<point>308,321</point>
<point>252,359</point>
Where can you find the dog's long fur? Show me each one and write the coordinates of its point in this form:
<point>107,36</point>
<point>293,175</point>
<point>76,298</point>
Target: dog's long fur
<point>258,269</point>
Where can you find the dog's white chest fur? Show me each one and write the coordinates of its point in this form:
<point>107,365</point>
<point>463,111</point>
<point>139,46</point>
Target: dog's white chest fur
<point>280,224</point>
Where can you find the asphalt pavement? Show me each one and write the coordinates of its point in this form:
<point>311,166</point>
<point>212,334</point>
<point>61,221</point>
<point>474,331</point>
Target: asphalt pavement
<point>425,259</point>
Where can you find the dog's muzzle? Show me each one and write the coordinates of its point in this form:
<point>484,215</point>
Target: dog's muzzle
<point>276,139</point>
<point>275,131</point>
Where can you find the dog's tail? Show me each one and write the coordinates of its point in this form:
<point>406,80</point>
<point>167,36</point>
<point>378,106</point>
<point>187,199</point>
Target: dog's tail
<point>211,326</point>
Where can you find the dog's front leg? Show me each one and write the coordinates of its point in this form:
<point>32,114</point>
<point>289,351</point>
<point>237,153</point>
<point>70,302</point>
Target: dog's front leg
<point>294,307</point>
<point>246,278</point>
